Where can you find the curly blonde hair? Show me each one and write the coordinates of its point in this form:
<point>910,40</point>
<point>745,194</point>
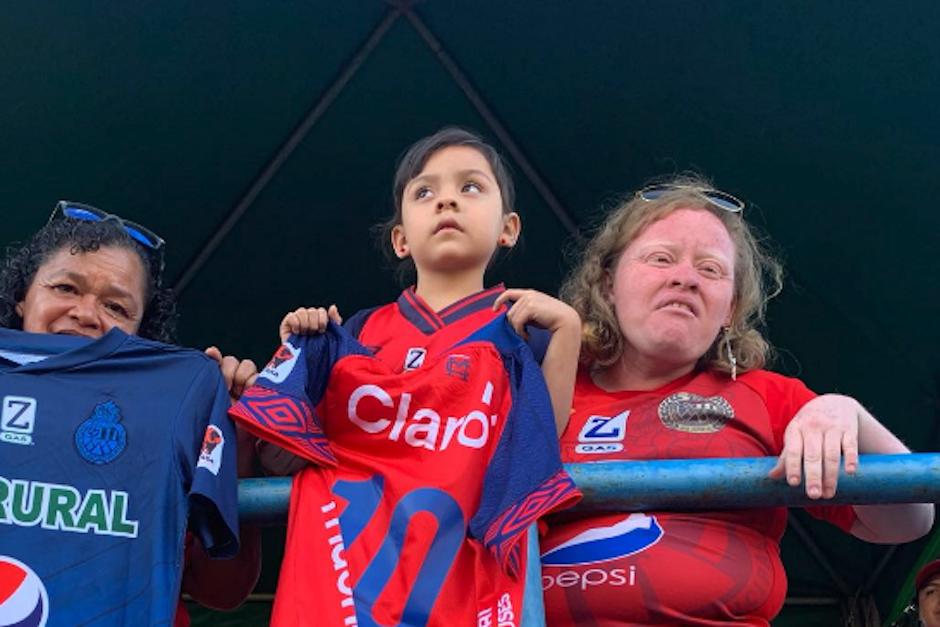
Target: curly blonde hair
<point>757,279</point>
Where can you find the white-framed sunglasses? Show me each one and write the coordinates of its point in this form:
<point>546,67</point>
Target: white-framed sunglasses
<point>720,199</point>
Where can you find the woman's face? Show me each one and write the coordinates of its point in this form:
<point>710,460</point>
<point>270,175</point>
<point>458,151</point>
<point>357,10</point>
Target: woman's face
<point>673,288</point>
<point>86,294</point>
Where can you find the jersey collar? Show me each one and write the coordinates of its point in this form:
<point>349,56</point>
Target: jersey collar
<point>420,314</point>
<point>39,352</point>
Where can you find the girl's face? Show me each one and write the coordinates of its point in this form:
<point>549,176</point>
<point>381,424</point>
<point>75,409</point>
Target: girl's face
<point>452,214</point>
<point>673,288</point>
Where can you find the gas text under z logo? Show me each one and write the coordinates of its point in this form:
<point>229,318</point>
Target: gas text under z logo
<point>602,434</point>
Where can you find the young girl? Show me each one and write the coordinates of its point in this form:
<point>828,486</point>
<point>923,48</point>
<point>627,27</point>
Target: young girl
<point>453,211</point>
<point>433,435</point>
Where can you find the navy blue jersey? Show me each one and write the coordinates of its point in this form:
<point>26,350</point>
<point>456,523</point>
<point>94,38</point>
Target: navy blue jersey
<point>107,448</point>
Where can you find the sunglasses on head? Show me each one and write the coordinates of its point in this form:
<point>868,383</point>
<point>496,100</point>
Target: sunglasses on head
<point>720,199</point>
<point>86,213</point>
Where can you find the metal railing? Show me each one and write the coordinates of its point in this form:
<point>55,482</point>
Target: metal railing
<point>685,484</point>
<point>678,484</point>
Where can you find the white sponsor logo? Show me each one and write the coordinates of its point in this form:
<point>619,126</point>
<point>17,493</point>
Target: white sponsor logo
<point>415,358</point>
<point>337,552</point>
<point>602,434</point>
<point>422,428</point>
<point>504,614</point>
<point>210,457</point>
<point>282,363</point>
<point>17,419</point>
<point>590,577</point>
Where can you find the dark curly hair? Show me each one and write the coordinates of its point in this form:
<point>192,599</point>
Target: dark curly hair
<point>21,263</point>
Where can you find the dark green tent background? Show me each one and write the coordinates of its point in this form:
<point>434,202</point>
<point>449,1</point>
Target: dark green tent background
<point>260,137</point>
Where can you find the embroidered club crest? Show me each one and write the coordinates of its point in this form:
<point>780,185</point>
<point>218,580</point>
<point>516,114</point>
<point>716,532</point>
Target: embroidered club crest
<point>691,413</point>
<point>101,438</point>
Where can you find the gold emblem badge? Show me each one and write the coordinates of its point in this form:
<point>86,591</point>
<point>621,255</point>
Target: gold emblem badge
<point>691,413</point>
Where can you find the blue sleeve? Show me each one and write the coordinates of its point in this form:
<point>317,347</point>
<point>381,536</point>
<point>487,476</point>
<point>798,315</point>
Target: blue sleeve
<point>358,320</point>
<point>525,479</point>
<point>205,440</point>
<point>538,342</point>
<point>301,366</point>
<point>281,406</point>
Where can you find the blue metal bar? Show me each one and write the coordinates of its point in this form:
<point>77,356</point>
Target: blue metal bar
<point>263,501</point>
<point>686,485</point>
<point>533,606</point>
<point>698,484</point>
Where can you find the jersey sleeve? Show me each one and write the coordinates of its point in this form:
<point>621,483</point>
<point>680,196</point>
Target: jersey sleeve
<point>537,341</point>
<point>357,321</point>
<point>205,441</point>
<point>784,396</point>
<point>281,406</point>
<point>525,479</point>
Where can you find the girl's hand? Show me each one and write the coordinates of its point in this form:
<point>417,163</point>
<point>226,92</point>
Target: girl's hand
<point>560,363</point>
<point>823,433</point>
<point>308,321</point>
<point>541,310</point>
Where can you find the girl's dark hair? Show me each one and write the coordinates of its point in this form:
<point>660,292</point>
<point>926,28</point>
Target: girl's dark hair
<point>411,164</point>
<point>19,268</point>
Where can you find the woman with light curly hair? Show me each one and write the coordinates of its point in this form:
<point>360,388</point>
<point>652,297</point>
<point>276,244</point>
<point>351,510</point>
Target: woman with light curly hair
<point>671,291</point>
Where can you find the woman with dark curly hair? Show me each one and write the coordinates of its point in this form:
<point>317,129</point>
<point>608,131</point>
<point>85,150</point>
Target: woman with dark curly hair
<point>153,314</point>
<point>97,277</point>
<point>671,292</point>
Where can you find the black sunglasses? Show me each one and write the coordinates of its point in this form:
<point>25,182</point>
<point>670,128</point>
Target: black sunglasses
<point>720,199</point>
<point>79,211</point>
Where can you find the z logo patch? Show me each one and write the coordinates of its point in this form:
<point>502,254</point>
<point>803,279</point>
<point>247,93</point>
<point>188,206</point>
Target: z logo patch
<point>602,434</point>
<point>415,358</point>
<point>17,419</point>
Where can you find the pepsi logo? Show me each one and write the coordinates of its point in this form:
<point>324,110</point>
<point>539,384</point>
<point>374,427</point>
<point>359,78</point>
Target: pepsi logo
<point>23,598</point>
<point>635,533</point>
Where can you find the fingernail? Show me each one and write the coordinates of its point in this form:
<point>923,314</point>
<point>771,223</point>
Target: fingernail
<point>814,493</point>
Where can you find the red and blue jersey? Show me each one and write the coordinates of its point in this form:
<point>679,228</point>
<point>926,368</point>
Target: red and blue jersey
<point>403,332</point>
<point>426,475</point>
<point>674,568</point>
<point>107,448</point>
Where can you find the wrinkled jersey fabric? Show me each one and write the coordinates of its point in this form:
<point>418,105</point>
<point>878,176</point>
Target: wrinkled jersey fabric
<point>674,568</point>
<point>425,480</point>
<point>402,332</point>
<point>107,448</point>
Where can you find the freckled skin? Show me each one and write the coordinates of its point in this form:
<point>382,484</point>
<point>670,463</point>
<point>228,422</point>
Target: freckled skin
<point>673,288</point>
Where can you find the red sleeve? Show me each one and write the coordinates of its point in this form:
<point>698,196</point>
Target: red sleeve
<point>784,396</point>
